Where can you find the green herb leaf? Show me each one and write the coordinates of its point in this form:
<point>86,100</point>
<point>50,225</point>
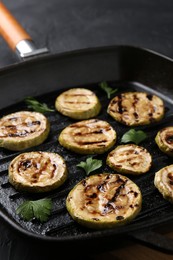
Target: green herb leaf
<point>40,209</point>
<point>134,136</point>
<point>37,106</point>
<point>104,85</point>
<point>90,165</point>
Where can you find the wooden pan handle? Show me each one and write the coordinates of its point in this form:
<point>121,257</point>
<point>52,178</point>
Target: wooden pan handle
<point>10,29</point>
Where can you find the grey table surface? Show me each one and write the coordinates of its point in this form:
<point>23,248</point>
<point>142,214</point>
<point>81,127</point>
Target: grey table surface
<point>65,25</point>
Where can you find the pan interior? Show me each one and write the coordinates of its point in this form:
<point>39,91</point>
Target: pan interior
<point>60,224</point>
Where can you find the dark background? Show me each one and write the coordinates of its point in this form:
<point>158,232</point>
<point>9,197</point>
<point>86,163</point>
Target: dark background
<point>65,25</point>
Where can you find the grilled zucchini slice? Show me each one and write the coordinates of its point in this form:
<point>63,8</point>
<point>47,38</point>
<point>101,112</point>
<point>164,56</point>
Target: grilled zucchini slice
<point>37,171</point>
<point>136,108</point>
<point>23,129</point>
<point>163,181</point>
<point>88,136</point>
<point>78,103</point>
<point>104,201</point>
<point>164,140</point>
<point>130,159</point>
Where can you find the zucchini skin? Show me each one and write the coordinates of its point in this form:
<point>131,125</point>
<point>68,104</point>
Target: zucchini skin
<point>134,159</point>
<point>164,140</point>
<point>26,170</point>
<point>129,108</point>
<point>163,181</point>
<point>91,136</point>
<point>19,142</point>
<point>78,103</point>
<point>97,220</point>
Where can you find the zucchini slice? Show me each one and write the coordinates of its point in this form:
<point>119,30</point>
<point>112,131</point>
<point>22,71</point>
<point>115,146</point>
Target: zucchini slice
<point>129,158</point>
<point>104,201</point>
<point>78,103</point>
<point>88,136</point>
<point>136,108</point>
<point>164,140</point>
<point>23,130</point>
<point>163,181</point>
<point>37,171</point>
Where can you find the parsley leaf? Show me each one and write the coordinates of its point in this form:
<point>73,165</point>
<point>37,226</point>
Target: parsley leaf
<point>90,165</point>
<point>134,136</point>
<point>104,85</point>
<point>37,106</point>
<point>40,209</point>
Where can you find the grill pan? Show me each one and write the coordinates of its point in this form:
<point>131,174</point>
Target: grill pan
<point>123,67</point>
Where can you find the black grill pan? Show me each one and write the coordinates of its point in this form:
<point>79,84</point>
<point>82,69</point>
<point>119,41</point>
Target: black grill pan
<point>123,67</point>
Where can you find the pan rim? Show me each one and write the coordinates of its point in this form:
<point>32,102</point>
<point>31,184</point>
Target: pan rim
<point>83,51</point>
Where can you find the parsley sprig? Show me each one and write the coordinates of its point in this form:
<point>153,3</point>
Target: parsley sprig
<point>32,103</point>
<point>134,136</point>
<point>109,91</point>
<point>90,165</point>
<point>39,209</point>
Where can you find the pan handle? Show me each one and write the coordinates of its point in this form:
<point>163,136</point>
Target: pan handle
<point>16,36</point>
<point>10,29</point>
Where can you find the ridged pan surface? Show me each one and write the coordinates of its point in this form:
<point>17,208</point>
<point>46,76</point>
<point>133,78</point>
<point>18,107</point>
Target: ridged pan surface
<point>60,225</point>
